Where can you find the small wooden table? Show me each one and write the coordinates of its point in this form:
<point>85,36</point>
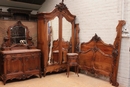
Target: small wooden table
<point>72,60</point>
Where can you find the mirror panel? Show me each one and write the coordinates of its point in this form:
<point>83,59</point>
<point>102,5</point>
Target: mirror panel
<point>18,35</point>
<point>66,35</point>
<point>55,28</point>
<point>66,30</point>
<point>53,32</point>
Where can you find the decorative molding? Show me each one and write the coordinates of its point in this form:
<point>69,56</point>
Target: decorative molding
<point>61,7</point>
<point>18,14</point>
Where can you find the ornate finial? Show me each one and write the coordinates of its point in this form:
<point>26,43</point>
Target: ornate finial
<point>19,22</point>
<point>61,6</point>
<point>62,1</point>
<point>96,38</point>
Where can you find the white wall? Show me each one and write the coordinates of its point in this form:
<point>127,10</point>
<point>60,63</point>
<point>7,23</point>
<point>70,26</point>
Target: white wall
<point>101,17</point>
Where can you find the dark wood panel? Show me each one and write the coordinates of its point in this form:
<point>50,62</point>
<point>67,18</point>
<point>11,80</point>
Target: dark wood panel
<point>38,2</point>
<point>21,65</point>
<point>18,14</point>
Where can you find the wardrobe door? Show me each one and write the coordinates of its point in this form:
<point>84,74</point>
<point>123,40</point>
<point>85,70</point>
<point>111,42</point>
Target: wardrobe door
<point>53,41</point>
<point>66,39</point>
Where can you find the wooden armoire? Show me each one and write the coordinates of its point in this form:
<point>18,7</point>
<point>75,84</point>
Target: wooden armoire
<point>57,36</point>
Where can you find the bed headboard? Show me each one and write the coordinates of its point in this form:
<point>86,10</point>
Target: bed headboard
<point>100,58</point>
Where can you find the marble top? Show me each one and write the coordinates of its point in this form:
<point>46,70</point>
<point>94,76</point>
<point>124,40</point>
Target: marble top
<point>20,51</point>
<point>70,54</point>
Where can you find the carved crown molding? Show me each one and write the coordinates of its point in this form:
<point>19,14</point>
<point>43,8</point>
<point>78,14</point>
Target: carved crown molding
<point>96,38</point>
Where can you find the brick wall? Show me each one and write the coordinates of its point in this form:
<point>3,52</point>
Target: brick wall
<point>101,17</point>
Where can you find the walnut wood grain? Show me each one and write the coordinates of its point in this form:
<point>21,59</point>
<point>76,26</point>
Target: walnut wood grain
<point>19,64</point>
<point>60,11</point>
<point>100,58</point>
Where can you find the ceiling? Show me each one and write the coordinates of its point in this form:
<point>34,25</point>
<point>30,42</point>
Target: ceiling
<point>24,4</point>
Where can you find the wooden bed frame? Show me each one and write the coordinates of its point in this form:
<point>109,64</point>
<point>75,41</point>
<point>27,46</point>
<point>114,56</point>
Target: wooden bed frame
<point>99,58</point>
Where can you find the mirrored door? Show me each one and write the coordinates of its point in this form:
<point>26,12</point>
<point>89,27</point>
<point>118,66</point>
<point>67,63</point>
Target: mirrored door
<point>53,38</point>
<point>66,39</point>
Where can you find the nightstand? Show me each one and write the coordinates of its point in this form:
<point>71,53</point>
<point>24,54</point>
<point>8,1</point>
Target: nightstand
<point>72,60</point>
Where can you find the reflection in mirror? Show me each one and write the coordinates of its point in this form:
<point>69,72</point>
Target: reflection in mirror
<point>53,32</point>
<point>66,35</point>
<point>18,34</point>
<point>66,30</point>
